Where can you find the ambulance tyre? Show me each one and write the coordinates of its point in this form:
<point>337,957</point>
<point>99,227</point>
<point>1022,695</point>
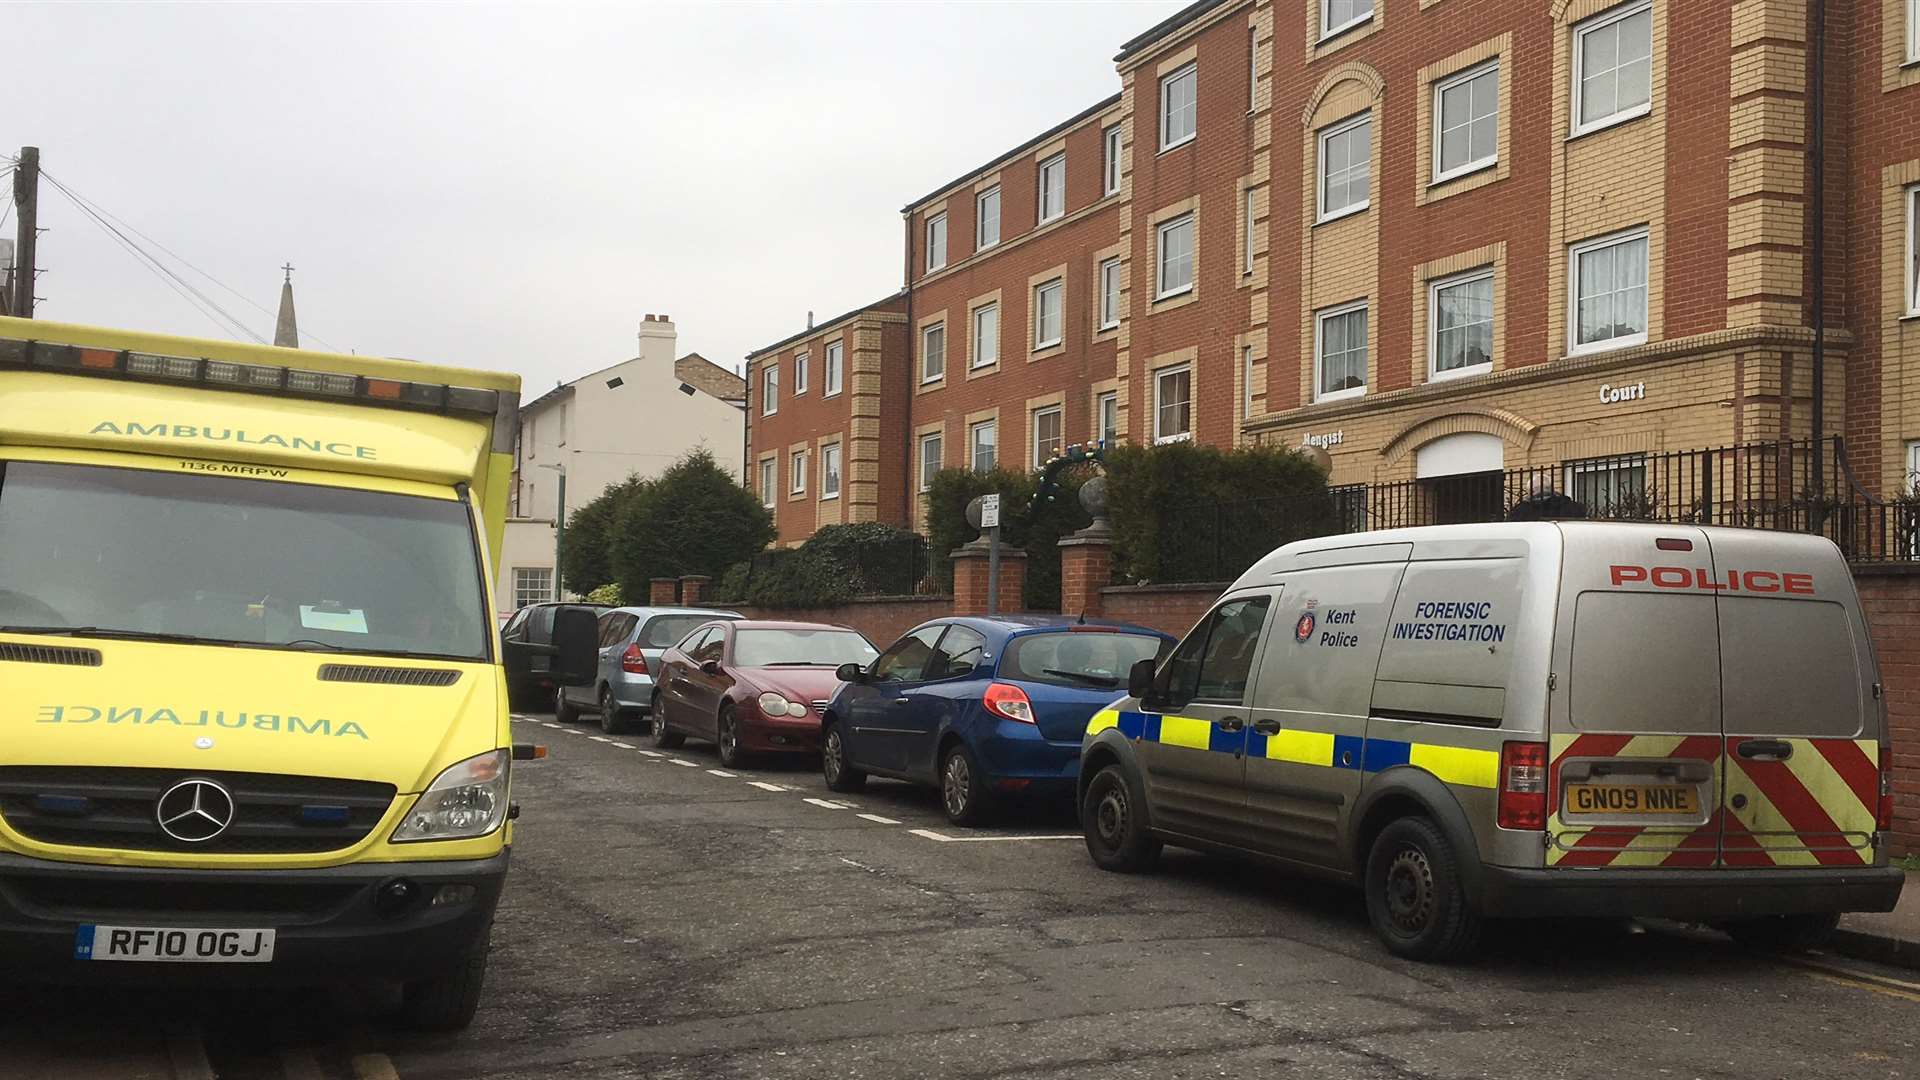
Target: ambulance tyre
<point>446,1002</point>
<point>1117,838</point>
<point>1785,933</point>
<point>1415,897</point>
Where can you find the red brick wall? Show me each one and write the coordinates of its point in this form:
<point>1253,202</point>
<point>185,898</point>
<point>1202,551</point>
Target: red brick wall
<point>1891,597</point>
<point>1171,609</point>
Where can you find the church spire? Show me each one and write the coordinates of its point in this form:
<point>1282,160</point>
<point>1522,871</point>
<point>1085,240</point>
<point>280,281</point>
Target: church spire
<point>286,332</point>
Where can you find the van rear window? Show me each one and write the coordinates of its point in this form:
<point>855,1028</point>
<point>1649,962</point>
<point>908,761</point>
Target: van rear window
<point>1645,662</point>
<point>1792,668</point>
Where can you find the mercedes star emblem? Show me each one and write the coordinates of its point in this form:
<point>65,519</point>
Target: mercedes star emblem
<point>194,811</point>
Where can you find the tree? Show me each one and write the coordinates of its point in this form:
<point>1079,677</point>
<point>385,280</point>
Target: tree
<point>586,560</point>
<point>691,519</point>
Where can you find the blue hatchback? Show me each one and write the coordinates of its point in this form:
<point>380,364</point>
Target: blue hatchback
<point>980,707</point>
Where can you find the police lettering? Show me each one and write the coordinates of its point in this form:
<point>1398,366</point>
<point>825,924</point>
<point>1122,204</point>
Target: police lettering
<point>1698,577</point>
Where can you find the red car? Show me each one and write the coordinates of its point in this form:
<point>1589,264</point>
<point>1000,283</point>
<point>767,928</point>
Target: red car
<point>752,686</point>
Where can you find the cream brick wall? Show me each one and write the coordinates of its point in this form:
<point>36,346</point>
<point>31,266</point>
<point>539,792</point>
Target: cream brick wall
<point>1340,259</point>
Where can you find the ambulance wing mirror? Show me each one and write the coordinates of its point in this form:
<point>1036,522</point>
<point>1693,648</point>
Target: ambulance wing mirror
<point>576,645</point>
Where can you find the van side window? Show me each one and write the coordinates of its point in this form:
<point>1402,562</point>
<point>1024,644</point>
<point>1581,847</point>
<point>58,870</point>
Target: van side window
<point>1213,663</point>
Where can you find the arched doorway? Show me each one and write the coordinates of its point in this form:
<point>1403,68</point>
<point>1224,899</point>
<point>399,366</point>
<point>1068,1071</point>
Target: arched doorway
<point>1464,477</point>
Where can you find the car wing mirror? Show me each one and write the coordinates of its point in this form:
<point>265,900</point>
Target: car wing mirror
<point>711,667</point>
<point>852,673</point>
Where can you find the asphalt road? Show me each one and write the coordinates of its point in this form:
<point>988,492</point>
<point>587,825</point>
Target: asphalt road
<point>667,919</point>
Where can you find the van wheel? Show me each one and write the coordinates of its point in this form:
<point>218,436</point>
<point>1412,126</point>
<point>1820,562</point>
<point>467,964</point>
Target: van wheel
<point>611,720</point>
<point>1785,933</point>
<point>963,790</point>
<point>1117,838</point>
<point>563,710</point>
<point>1414,895</point>
<point>446,1002</point>
<point>839,773</point>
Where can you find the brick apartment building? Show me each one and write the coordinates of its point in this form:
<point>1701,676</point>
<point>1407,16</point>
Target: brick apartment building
<point>1438,238</point>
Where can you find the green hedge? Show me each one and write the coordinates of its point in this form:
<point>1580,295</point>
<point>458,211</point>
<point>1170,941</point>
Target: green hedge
<point>1183,512</point>
<point>836,564</point>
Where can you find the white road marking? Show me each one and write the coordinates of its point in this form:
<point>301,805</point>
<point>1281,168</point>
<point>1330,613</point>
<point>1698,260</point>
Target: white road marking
<point>688,764</point>
<point>764,786</point>
<point>877,819</point>
<point>624,746</point>
<point>828,804</point>
<point>652,753</point>
<point>723,772</point>
<point>374,1067</point>
<point>599,738</point>
<point>550,723</point>
<point>945,839</point>
<point>573,731</point>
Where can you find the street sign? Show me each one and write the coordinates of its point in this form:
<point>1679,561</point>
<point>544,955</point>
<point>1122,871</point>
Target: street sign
<point>989,511</point>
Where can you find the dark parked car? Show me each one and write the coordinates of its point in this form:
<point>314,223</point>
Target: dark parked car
<point>752,686</point>
<point>532,691</point>
<point>982,708</point>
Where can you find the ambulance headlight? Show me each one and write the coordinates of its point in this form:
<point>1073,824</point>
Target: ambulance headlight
<point>467,800</point>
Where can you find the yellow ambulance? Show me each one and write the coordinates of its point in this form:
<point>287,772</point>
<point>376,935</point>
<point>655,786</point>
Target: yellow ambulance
<point>253,724</point>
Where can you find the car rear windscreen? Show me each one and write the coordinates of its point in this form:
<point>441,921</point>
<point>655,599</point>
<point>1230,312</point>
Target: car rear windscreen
<point>1089,660</point>
<point>665,631</point>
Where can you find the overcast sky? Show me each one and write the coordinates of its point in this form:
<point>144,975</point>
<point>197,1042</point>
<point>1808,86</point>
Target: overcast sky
<point>515,186</point>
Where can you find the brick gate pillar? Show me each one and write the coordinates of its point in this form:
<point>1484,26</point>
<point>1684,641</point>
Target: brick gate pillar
<point>663,592</point>
<point>1086,567</point>
<point>694,589</point>
<point>970,579</point>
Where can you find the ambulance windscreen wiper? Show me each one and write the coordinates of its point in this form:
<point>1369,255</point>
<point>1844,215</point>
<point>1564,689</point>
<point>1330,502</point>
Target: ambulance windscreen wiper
<point>109,632</point>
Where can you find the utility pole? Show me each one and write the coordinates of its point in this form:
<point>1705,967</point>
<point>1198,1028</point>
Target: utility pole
<point>26,203</point>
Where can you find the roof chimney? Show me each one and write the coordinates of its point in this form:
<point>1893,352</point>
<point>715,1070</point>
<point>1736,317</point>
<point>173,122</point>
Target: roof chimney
<point>657,340</point>
<point>809,318</point>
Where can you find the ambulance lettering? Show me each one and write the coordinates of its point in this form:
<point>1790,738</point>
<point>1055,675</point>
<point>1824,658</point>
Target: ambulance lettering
<point>1697,577</point>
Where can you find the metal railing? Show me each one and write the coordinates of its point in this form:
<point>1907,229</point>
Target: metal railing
<point>1756,485</point>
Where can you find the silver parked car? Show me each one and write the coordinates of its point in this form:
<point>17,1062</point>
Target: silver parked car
<point>631,641</point>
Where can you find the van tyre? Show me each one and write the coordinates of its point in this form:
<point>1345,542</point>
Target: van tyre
<point>563,710</point>
<point>1415,898</point>
<point>445,1002</point>
<point>839,774</point>
<point>963,789</point>
<point>1117,837</point>
<point>1785,933</point>
<point>612,720</point>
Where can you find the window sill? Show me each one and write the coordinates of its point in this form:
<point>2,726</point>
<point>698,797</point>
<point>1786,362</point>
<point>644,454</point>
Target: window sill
<point>1171,147</point>
<point>1459,373</point>
<point>935,269</point>
<point>1160,298</point>
<point>1461,173</point>
<point>830,498</point>
<point>1050,220</point>
<point>1342,30</point>
<point>1047,352</point>
<point>1609,345</point>
<point>981,370</point>
<point>1610,122</point>
<point>940,378</point>
<point>1340,395</point>
<point>1162,440</point>
<point>978,248</point>
<point>830,394</point>
<point>1343,213</point>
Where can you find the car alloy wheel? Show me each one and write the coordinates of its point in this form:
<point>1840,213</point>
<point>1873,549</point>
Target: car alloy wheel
<point>956,785</point>
<point>831,761</point>
<point>729,738</point>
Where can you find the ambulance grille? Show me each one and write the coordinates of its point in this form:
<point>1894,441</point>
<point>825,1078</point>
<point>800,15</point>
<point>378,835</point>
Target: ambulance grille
<point>103,807</point>
<point>49,654</point>
<point>388,676</point>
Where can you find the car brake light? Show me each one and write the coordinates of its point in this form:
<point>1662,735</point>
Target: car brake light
<point>1523,785</point>
<point>633,661</point>
<point>1884,819</point>
<point>1009,702</point>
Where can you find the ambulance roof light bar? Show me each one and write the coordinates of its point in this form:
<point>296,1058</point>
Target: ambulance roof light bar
<point>259,378</point>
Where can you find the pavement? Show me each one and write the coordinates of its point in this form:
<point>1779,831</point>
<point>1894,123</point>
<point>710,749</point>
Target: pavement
<point>1890,938</point>
<point>670,919</point>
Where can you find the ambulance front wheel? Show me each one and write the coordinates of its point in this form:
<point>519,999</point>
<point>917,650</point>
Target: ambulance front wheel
<point>1415,898</point>
<point>1785,933</point>
<point>1117,838</point>
<point>446,1002</point>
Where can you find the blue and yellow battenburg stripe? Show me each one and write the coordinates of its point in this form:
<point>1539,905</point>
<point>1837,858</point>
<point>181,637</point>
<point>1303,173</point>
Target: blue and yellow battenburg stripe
<point>1460,765</point>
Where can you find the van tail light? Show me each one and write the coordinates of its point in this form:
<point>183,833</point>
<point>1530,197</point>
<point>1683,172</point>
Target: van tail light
<point>1884,819</point>
<point>1009,702</point>
<point>1523,785</point>
<point>633,661</point>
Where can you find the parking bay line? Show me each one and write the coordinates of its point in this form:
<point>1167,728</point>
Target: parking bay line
<point>688,764</point>
<point>723,772</point>
<point>599,738</point>
<point>877,819</point>
<point>626,746</point>
<point>649,753</point>
<point>929,834</point>
<point>829,804</point>
<point>764,786</point>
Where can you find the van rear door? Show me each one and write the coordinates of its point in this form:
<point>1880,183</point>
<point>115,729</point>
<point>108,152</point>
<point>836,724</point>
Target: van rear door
<point>1802,728</point>
<point>1635,735</point>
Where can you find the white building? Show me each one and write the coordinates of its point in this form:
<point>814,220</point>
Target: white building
<point>638,416</point>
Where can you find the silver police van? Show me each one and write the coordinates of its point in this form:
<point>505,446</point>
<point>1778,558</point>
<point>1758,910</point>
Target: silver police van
<point>1525,719</point>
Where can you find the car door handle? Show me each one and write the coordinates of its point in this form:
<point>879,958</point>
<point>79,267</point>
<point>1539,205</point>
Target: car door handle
<point>1267,727</point>
<point>1229,723</point>
<point>1766,749</point>
<point>899,701</point>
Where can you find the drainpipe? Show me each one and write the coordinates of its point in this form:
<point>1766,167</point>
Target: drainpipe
<point>1817,123</point>
<point>910,486</point>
